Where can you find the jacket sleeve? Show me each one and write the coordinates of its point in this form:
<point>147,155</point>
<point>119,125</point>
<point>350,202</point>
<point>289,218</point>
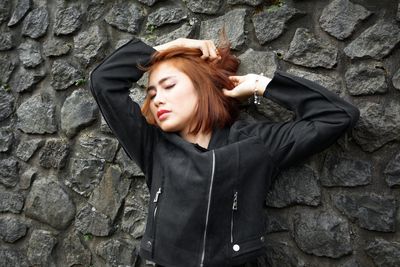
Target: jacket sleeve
<point>109,83</point>
<point>321,117</point>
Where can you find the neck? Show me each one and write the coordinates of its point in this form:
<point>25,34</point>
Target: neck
<point>202,139</point>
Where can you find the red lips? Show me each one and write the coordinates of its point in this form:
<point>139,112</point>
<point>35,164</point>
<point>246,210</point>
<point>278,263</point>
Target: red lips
<point>162,112</point>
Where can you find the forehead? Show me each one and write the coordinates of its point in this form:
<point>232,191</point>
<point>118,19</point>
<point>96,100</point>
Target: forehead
<point>164,69</point>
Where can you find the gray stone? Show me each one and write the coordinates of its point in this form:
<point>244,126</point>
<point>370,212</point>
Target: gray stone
<point>40,246</point>
<point>54,154</point>
<point>375,42</point>
<point>392,171</point>
<point>6,139</point>
<point>257,62</point>
<point>104,126</point>
<point>49,203</point>
<point>6,103</point>
<point>126,17</point>
<point>332,82</point>
<point>341,17</point>
<point>89,45</point>
<point>396,80</point>
<point>371,212</point>
<point>91,221</point>
<point>280,254</point>
<point>5,7</point>
<point>9,170</point>
<point>12,229</point>
<point>345,171</point>
<point>149,2</point>
<point>56,47</point>
<point>117,252</point>
<point>75,253</point>
<point>166,15</point>
<point>378,125</point>
<point>84,175</point>
<point>138,95</point>
<point>128,166</point>
<point>26,79</point>
<point>185,31</point>
<point>95,10</point>
<point>204,6</point>
<point>322,234</point>
<point>398,12</point>
<point>233,22</point>
<point>36,23</point>
<point>26,178</point>
<point>384,253</point>
<point>64,74</point>
<point>350,263</point>
<point>270,23</point>
<point>96,147</point>
<point>68,21</point>
<point>7,66</point>
<point>305,50</point>
<point>135,209</point>
<point>27,148</point>
<point>78,111</point>
<point>12,257</point>
<point>6,41</point>
<point>10,201</point>
<point>30,54</point>
<point>275,221</point>
<point>107,197</point>
<point>296,185</point>
<point>246,2</point>
<point>22,7</point>
<point>366,79</point>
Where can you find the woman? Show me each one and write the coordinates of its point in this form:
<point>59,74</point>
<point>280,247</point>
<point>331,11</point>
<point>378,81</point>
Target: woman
<point>207,172</point>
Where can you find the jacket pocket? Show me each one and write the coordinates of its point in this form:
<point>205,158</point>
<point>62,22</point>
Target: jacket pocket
<point>243,251</point>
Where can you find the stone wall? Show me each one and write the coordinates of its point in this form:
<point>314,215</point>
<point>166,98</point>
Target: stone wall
<point>69,196</point>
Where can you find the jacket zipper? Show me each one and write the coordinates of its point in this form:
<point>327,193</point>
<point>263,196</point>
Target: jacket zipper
<point>234,208</point>
<point>208,210</point>
<point>156,198</point>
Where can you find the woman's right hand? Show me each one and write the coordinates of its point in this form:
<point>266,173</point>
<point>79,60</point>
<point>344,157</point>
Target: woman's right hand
<point>207,47</point>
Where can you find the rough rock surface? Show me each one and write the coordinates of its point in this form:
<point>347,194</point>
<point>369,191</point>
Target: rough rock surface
<point>68,21</point>
<point>9,172</point>
<point>90,45</point>
<point>305,50</point>
<point>376,42</point>
<point>297,185</point>
<point>341,17</point>
<point>345,171</point>
<point>64,74</point>
<point>378,125</point>
<point>54,154</point>
<point>233,22</point>
<point>371,212</point>
<point>48,202</point>
<point>322,234</point>
<point>204,6</point>
<point>271,23</point>
<point>40,246</point>
<point>12,229</point>
<point>36,23</point>
<point>384,253</point>
<point>90,221</point>
<point>22,7</point>
<point>125,17</point>
<point>392,171</point>
<point>366,79</point>
<point>78,111</point>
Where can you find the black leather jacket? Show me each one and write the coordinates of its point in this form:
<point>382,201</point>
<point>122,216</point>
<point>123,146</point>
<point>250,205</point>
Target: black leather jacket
<point>206,204</point>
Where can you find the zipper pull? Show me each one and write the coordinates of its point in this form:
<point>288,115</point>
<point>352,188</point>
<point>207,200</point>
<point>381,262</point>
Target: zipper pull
<point>157,195</point>
<point>234,206</point>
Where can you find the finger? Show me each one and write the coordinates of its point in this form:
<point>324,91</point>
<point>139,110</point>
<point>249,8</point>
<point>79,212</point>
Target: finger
<point>205,50</point>
<point>227,92</point>
<point>213,52</point>
<point>237,79</point>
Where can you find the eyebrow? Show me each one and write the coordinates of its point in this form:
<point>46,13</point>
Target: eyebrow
<point>159,82</point>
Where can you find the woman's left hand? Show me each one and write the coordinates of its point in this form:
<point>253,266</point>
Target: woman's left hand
<point>246,85</point>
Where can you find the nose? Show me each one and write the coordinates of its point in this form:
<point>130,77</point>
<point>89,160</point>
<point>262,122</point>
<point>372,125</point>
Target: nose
<point>158,98</point>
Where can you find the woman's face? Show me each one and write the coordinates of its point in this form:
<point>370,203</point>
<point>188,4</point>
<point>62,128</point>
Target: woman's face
<point>173,98</point>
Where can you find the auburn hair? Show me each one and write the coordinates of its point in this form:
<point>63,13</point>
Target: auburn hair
<point>214,109</point>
